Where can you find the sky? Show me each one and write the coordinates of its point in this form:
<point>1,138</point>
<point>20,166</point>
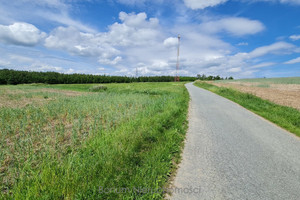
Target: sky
<point>239,38</point>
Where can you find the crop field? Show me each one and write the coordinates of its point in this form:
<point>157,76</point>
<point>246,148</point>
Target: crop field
<point>288,80</point>
<point>66,142</point>
<point>282,91</point>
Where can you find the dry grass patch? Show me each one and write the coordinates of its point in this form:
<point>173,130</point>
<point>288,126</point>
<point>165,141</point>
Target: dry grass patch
<point>17,98</point>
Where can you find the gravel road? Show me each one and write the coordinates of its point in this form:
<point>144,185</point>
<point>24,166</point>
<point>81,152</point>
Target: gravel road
<point>231,153</point>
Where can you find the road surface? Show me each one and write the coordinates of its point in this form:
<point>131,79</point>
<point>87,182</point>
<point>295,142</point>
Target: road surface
<point>231,153</point>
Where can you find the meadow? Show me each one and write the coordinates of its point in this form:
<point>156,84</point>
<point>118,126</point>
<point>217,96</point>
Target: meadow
<point>66,142</point>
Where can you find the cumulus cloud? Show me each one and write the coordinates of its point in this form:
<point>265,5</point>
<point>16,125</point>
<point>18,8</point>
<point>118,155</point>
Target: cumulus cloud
<point>78,43</point>
<point>171,42</point>
<point>23,34</point>
<point>201,4</point>
<point>134,30</point>
<point>234,25</point>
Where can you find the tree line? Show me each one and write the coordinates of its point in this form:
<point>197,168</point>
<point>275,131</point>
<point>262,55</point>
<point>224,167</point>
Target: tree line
<point>212,78</point>
<point>13,77</point>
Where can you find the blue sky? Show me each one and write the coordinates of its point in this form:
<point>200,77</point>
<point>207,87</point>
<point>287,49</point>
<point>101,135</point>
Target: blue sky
<point>239,38</point>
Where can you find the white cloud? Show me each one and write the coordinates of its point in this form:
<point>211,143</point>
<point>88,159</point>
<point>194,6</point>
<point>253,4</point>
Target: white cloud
<point>135,30</point>
<point>297,2</point>
<point>107,61</point>
<point>234,25</point>
<point>4,63</point>
<point>235,69</point>
<point>21,59</point>
<point>21,34</point>
<point>159,65</point>
<point>54,12</point>
<point>101,69</point>
<point>242,44</point>
<point>201,4</point>
<point>295,37</point>
<point>293,61</point>
<point>139,2</point>
<point>292,2</point>
<point>276,48</point>
<point>46,3</point>
<point>46,67</point>
<point>77,43</point>
<point>65,19</point>
<point>171,42</point>
<point>244,64</point>
<point>260,65</point>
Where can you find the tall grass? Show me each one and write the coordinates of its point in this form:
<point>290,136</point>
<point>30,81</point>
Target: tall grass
<point>286,117</point>
<point>127,137</point>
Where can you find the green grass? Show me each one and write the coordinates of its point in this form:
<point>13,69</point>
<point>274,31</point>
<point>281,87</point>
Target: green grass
<point>98,88</point>
<point>263,85</point>
<point>285,117</point>
<point>288,80</point>
<point>129,136</point>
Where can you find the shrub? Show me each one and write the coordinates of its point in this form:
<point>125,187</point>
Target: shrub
<point>98,88</point>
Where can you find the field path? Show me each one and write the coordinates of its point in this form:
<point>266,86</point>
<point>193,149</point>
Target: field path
<point>231,153</point>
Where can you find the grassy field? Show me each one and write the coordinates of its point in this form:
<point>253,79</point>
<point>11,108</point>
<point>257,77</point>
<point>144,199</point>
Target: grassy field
<point>58,144</point>
<point>266,81</point>
<point>286,117</point>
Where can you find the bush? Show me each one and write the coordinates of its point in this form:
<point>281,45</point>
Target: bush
<point>98,88</point>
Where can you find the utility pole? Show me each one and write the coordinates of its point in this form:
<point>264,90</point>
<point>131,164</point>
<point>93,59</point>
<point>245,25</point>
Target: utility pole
<point>177,64</point>
<point>136,73</point>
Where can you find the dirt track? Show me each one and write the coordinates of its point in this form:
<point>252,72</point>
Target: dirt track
<point>283,94</point>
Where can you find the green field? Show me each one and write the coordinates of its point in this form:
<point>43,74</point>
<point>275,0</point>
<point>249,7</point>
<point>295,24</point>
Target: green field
<point>57,144</point>
<point>289,80</point>
<point>286,117</point>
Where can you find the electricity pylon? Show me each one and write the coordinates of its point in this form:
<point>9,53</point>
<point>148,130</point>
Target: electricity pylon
<point>177,64</point>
